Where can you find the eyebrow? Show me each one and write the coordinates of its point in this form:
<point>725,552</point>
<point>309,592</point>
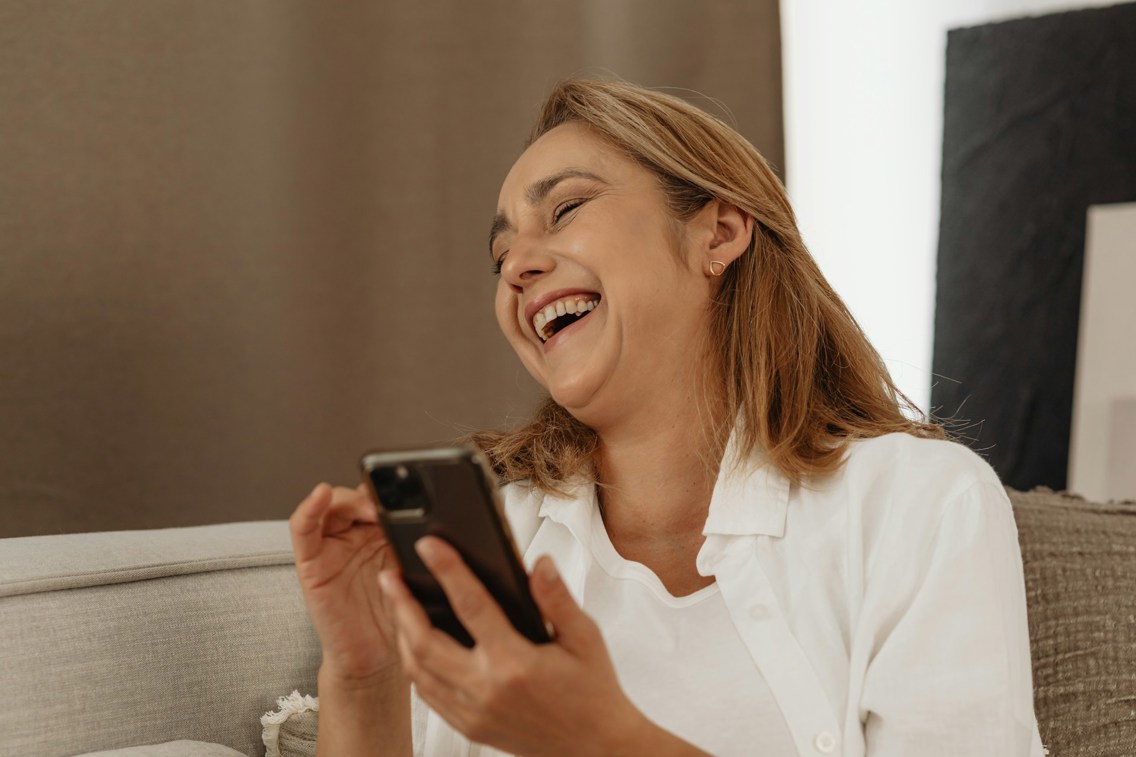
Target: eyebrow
<point>536,194</point>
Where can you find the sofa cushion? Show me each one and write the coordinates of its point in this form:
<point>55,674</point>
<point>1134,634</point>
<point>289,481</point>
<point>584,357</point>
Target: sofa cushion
<point>137,637</point>
<point>171,749</point>
<point>1080,570</point>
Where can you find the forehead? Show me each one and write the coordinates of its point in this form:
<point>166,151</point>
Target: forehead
<point>569,145</point>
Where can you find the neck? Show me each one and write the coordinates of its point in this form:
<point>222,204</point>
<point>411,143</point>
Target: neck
<point>656,477</point>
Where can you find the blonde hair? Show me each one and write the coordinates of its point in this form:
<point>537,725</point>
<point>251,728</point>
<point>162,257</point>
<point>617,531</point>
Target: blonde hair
<point>799,378</point>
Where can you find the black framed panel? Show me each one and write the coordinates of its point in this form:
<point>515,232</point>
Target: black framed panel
<point>1039,124</point>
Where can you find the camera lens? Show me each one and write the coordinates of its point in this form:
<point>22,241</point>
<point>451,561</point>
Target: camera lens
<point>398,488</point>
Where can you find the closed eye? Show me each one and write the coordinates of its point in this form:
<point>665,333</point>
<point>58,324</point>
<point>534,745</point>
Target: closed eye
<point>498,263</point>
<point>564,209</point>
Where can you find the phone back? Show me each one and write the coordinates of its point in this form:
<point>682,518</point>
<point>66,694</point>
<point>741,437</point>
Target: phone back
<point>450,494</point>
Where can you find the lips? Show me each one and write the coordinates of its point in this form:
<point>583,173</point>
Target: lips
<point>549,314</point>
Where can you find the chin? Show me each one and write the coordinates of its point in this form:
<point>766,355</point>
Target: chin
<point>569,395</point>
<point>579,399</point>
<point>569,399</point>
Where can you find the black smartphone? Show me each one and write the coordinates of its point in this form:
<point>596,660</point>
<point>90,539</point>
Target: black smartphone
<point>452,494</point>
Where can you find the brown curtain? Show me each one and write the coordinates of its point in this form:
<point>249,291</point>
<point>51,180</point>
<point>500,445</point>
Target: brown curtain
<point>240,242</point>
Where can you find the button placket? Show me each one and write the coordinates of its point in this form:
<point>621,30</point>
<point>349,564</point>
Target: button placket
<point>779,656</point>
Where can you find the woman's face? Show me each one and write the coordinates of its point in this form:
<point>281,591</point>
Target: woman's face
<point>598,293</point>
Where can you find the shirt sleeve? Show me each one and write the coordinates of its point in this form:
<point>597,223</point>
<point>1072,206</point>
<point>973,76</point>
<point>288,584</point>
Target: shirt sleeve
<point>950,670</point>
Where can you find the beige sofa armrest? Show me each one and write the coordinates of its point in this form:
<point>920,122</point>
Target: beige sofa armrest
<point>110,640</point>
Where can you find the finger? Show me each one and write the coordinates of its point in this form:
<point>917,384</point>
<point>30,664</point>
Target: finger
<point>474,606</point>
<point>429,684</point>
<point>422,647</point>
<point>444,698</point>
<point>345,514</point>
<point>343,494</point>
<point>575,631</point>
<point>306,523</point>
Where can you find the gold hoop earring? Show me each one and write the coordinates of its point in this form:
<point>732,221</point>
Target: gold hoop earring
<point>720,270</point>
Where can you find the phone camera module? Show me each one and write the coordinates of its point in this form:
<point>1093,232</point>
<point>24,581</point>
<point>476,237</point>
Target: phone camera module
<point>399,488</point>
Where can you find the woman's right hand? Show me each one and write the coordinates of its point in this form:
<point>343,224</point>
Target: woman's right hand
<point>339,549</point>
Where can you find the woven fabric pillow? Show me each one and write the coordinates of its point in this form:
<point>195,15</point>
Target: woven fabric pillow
<point>291,730</point>
<point>1080,569</point>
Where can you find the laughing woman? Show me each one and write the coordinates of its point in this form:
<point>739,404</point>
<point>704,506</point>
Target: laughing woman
<point>744,543</point>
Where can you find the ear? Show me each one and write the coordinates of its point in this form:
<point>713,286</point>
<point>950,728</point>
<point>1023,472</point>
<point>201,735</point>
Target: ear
<point>720,233</point>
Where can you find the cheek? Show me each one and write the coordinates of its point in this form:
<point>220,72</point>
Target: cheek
<point>504,306</point>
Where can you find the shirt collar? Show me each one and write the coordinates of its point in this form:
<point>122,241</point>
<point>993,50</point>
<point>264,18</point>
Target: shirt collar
<point>750,497</point>
<point>572,510</point>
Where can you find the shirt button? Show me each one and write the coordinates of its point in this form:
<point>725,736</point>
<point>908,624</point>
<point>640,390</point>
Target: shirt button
<point>759,612</point>
<point>825,742</point>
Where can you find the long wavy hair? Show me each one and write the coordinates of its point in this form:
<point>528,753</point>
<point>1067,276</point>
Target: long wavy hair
<point>799,378</point>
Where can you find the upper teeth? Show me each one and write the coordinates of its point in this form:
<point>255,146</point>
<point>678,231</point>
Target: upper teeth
<point>554,310</point>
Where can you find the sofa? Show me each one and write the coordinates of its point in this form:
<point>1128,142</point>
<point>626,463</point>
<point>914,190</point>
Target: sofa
<point>120,639</point>
<point>181,642</point>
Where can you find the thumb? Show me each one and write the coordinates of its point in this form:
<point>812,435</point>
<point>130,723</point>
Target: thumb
<point>575,631</point>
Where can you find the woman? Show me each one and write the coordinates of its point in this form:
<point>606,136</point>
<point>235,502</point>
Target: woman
<point>742,542</point>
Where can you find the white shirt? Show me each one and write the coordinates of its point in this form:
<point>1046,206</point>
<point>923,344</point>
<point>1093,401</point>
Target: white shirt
<point>884,605</point>
<point>680,659</point>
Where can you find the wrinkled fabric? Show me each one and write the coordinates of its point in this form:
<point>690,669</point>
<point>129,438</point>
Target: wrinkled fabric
<point>884,604</point>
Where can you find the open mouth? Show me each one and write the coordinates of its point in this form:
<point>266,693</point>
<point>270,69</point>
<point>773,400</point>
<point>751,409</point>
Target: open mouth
<point>556,316</point>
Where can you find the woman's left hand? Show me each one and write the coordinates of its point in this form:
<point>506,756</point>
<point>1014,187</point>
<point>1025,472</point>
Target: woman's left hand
<point>531,699</point>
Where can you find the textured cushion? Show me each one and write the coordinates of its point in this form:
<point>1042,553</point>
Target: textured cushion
<point>117,639</point>
<point>291,730</point>
<point>171,749</point>
<point>1080,571</point>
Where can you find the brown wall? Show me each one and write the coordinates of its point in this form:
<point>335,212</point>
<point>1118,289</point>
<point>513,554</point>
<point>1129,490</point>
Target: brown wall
<point>241,242</point>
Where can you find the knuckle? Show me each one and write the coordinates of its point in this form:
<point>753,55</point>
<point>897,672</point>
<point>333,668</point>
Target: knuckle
<point>419,648</point>
<point>512,678</point>
<point>343,494</point>
<point>411,668</point>
<point>469,605</point>
<point>496,705</point>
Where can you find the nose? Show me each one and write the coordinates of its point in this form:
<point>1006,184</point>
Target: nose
<point>526,263</point>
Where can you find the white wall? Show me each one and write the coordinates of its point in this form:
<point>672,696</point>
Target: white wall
<point>863,148</point>
<point>1102,446</point>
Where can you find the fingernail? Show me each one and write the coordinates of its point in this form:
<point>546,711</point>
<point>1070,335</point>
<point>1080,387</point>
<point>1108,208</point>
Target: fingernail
<point>386,581</point>
<point>547,570</point>
<point>315,489</point>
<point>425,549</point>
